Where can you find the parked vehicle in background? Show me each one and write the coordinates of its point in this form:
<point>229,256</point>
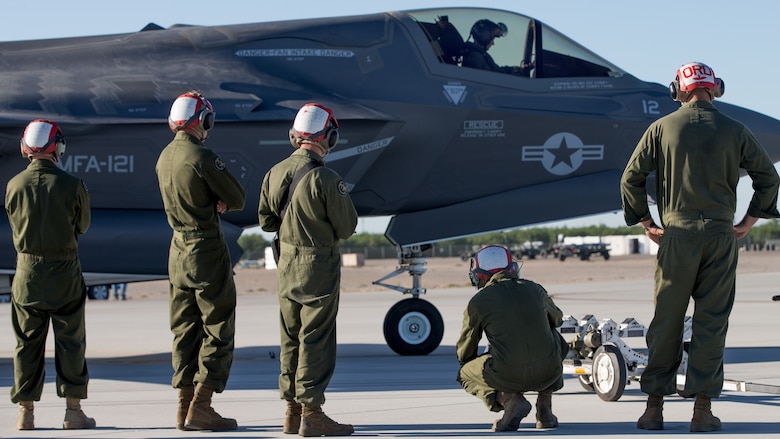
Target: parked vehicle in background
<point>583,251</point>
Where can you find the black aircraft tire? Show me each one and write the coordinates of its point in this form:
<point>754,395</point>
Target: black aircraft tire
<point>98,292</point>
<point>413,327</point>
<point>609,373</point>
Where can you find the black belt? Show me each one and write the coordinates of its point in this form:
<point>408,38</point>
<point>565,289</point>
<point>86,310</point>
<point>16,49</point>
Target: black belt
<point>718,215</point>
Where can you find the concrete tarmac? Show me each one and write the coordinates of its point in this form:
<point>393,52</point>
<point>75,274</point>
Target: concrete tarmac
<point>381,393</point>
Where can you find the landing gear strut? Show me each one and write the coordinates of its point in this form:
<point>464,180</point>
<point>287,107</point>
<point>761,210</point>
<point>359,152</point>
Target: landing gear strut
<point>412,326</point>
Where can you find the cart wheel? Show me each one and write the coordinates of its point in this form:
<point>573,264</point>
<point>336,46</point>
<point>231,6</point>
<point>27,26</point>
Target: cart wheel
<point>609,373</point>
<point>586,381</point>
<point>98,292</point>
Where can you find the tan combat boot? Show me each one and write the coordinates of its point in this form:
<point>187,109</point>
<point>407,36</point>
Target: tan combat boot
<point>316,423</point>
<point>653,417</point>
<point>703,420</point>
<point>75,419</point>
<point>201,416</point>
<point>544,415</point>
<point>292,418</point>
<point>26,419</point>
<point>516,407</point>
<point>186,393</point>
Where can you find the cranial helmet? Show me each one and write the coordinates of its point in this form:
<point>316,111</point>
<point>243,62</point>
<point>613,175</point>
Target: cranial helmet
<point>489,261</point>
<point>483,31</point>
<point>191,110</point>
<point>316,124</point>
<point>692,76</point>
<point>42,136</point>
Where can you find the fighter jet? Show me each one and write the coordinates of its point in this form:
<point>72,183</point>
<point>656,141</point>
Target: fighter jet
<point>445,149</point>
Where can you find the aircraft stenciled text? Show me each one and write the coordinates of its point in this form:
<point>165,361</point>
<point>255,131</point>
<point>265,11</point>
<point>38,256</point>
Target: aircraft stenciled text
<point>580,85</point>
<point>296,53</point>
<point>360,149</point>
<point>455,92</point>
<point>85,163</point>
<point>650,107</point>
<point>483,128</point>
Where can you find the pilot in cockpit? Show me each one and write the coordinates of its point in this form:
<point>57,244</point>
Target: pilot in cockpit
<point>483,33</point>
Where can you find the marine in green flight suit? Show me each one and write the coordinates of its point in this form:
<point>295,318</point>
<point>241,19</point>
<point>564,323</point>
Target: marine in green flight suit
<point>319,214</point>
<point>696,154</point>
<point>526,352</point>
<point>48,209</point>
<point>196,188</point>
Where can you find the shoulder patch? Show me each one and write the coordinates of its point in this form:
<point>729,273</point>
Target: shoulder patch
<point>219,164</point>
<point>342,187</point>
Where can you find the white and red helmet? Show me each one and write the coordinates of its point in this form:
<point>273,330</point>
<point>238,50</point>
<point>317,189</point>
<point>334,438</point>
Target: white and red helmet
<point>489,261</point>
<point>191,110</point>
<point>692,76</point>
<point>315,123</point>
<point>42,136</point>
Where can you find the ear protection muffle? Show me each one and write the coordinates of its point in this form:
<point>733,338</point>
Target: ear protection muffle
<point>205,118</point>
<point>327,138</point>
<point>681,96</point>
<point>476,274</point>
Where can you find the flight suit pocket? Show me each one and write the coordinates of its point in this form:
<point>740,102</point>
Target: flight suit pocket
<point>312,277</point>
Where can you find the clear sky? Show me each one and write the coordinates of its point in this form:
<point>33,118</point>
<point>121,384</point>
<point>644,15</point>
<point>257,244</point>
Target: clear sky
<point>650,39</point>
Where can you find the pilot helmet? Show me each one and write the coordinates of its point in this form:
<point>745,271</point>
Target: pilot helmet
<point>42,136</point>
<point>316,124</point>
<point>484,31</point>
<point>489,261</point>
<point>191,110</point>
<point>692,76</point>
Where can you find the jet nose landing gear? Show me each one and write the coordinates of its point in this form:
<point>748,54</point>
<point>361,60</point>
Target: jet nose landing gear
<point>412,326</point>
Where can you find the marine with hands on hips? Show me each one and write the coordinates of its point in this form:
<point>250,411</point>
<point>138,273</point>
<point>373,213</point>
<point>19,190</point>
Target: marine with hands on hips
<point>696,153</point>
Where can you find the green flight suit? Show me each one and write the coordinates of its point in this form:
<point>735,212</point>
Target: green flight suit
<point>526,353</point>
<point>202,294</point>
<point>696,153</point>
<point>320,213</point>
<point>47,209</point>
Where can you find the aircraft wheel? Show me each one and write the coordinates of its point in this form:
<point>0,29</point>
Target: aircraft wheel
<point>586,381</point>
<point>609,373</point>
<point>606,255</point>
<point>97,292</point>
<point>413,327</point>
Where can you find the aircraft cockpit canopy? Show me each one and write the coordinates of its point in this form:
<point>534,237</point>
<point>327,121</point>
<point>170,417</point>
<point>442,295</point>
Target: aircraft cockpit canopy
<point>528,48</point>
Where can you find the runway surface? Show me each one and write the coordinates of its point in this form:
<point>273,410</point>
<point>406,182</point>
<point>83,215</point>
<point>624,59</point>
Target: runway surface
<point>381,393</point>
